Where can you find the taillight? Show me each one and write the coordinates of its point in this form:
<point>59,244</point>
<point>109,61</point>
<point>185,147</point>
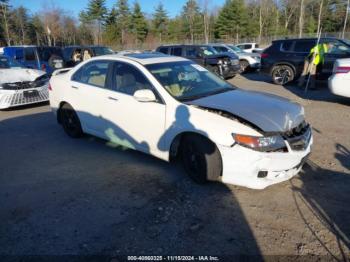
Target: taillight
<point>342,69</point>
<point>264,55</point>
<point>49,87</point>
<point>43,67</point>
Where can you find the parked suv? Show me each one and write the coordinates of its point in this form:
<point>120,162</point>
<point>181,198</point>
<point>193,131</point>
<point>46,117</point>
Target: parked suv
<point>247,61</point>
<point>225,65</point>
<point>284,59</point>
<point>36,57</point>
<point>75,54</point>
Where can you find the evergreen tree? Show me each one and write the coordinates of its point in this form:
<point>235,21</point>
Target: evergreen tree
<point>4,13</point>
<point>139,23</point>
<point>160,22</point>
<point>232,20</point>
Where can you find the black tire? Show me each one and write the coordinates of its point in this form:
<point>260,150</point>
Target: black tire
<point>201,158</point>
<point>244,66</point>
<point>70,121</point>
<point>216,70</point>
<point>282,74</point>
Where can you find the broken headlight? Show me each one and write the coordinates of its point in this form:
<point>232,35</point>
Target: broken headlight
<point>264,143</point>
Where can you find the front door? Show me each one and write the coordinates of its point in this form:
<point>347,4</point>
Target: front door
<point>133,124</point>
<point>335,50</point>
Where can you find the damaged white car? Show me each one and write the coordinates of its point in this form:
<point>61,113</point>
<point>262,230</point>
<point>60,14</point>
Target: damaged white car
<point>169,106</point>
<point>20,85</point>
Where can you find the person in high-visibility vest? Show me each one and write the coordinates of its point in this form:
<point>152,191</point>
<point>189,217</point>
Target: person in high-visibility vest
<point>314,62</point>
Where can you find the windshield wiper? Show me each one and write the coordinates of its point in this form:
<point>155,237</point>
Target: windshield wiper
<point>190,98</point>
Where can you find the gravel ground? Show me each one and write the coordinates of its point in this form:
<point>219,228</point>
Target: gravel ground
<point>64,196</point>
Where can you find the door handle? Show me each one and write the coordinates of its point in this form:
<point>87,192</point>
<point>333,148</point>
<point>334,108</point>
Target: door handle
<point>113,98</point>
<point>75,87</point>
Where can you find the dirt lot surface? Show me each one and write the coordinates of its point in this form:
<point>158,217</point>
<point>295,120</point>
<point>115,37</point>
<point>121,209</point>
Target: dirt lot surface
<point>64,196</point>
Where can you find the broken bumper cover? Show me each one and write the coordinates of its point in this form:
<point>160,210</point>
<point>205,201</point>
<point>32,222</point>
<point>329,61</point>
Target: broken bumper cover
<point>241,165</point>
<point>12,98</point>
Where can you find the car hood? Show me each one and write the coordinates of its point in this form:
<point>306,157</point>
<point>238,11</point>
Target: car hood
<point>269,113</point>
<point>13,75</point>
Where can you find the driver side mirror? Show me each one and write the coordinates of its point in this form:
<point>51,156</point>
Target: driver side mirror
<point>145,95</point>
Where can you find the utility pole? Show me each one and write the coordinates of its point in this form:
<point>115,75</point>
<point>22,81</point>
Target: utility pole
<point>346,18</point>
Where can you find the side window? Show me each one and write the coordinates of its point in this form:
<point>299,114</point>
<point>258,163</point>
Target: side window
<point>163,50</point>
<point>176,51</point>
<point>93,73</point>
<point>247,46</point>
<point>336,47</point>
<point>191,52</point>
<point>128,79</point>
<point>286,46</point>
<point>29,54</point>
<point>19,54</point>
<point>304,46</point>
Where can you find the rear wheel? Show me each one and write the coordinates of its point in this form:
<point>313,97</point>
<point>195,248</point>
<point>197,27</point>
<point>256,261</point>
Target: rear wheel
<point>70,121</point>
<point>201,158</point>
<point>282,74</point>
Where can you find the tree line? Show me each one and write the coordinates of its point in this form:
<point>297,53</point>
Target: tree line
<point>127,26</point>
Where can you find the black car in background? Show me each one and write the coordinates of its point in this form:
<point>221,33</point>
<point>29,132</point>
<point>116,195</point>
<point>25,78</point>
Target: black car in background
<point>225,65</point>
<point>75,54</point>
<point>284,59</point>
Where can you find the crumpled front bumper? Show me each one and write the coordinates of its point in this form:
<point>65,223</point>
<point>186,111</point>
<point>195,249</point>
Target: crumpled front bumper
<point>12,98</point>
<point>241,165</point>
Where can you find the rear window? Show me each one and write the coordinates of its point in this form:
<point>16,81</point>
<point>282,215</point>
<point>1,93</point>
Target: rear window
<point>286,46</point>
<point>29,54</point>
<point>163,50</point>
<point>304,46</point>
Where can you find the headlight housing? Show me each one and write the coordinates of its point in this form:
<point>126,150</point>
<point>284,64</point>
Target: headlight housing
<point>261,143</point>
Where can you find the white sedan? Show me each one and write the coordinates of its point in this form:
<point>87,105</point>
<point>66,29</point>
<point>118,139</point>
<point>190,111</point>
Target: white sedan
<point>339,82</point>
<point>169,106</point>
<point>21,86</point>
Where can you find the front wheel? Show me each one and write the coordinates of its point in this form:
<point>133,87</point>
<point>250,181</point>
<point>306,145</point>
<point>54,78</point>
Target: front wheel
<point>201,158</point>
<point>282,74</point>
<point>244,65</point>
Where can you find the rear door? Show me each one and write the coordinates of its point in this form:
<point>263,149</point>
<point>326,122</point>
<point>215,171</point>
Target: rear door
<point>301,50</point>
<point>88,95</point>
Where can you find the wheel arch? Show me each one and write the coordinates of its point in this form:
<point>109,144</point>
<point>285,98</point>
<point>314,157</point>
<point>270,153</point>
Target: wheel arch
<point>61,104</point>
<point>177,139</point>
<point>284,63</point>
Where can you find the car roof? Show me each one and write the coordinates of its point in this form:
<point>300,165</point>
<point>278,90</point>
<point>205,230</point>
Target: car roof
<point>145,58</point>
<point>305,38</point>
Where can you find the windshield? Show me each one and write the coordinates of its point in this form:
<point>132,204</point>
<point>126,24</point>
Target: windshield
<point>102,50</point>
<point>208,50</point>
<point>187,81</point>
<point>346,41</point>
<point>7,62</point>
<point>235,48</point>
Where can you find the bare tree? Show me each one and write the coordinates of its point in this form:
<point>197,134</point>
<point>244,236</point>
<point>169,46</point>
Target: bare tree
<point>206,20</point>
<point>4,12</point>
<point>301,18</point>
<point>319,18</point>
<point>346,18</point>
